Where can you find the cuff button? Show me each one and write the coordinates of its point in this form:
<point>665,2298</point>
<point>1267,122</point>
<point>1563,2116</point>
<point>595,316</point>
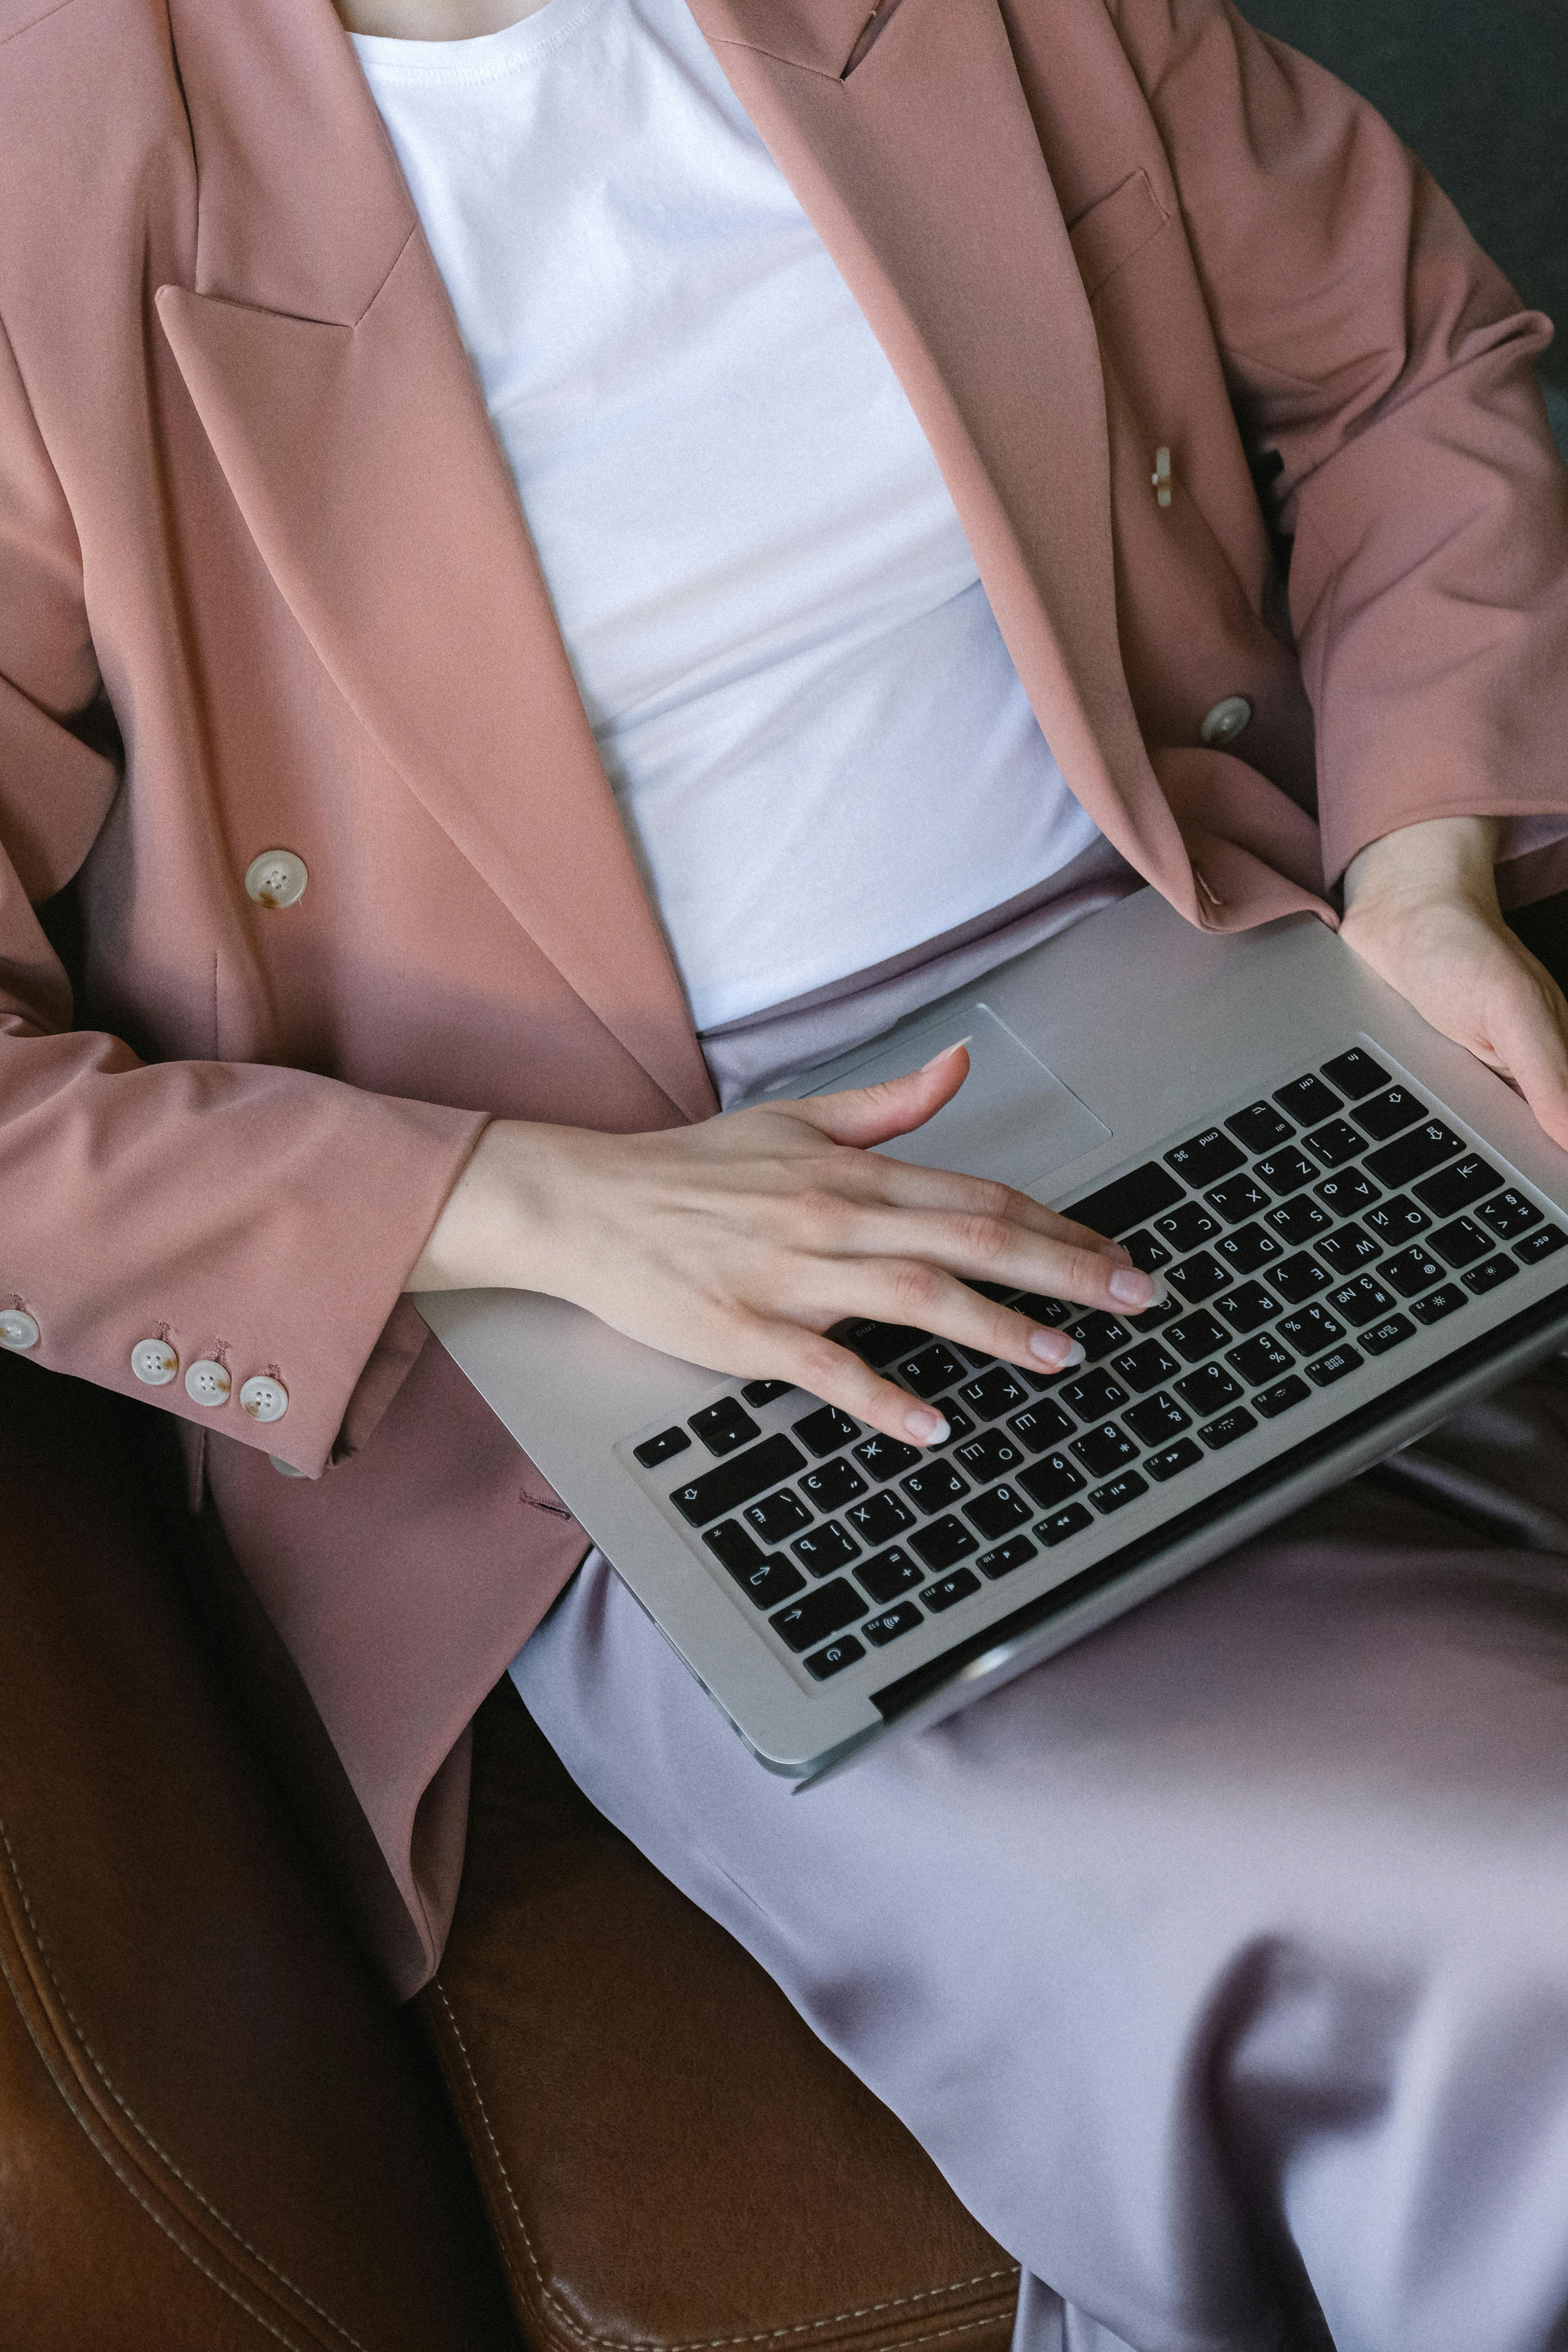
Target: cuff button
<point>208,1383</point>
<point>263,1397</point>
<point>154,1362</point>
<point>17,1331</point>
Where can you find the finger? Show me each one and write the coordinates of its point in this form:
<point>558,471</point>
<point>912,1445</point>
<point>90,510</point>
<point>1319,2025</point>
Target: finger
<point>903,1186</point>
<point>868,1114</point>
<point>1530,1034</point>
<point>812,1361</point>
<point>929,1298</point>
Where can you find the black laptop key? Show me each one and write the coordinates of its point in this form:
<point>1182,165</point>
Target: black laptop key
<point>772,1579</point>
<point>1237,1197</point>
<point>1348,1249</point>
<point>826,1430</point>
<point>1415,1153</point>
<point>997,1512</point>
<point>1307,1100</point>
<point>994,1394</point>
<point>958,1423</point>
<point>1260,1126</point>
<point>1246,1308</point>
<point>823,1664</point>
<point>934,1370</point>
<point>1311,1329</point>
<point>662,1448</point>
<point>1157,1420</point>
<point>1118,1491</point>
<point>1131,1200</point>
<point>765,1392</point>
<point>1462,1242</point>
<point>1459,1185</point>
<point>1299,1277</point>
<point>1292,1391</point>
<point>1103,1450</point>
<point>1362,1300</point>
<point>1017,1552</point>
<point>1510,1215</point>
<point>1043,1426</point>
<point>777,1516</point>
<point>826,1610</point>
<point>1249,1247</point>
<point>1199,1334</point>
<point>892,1572</point>
<point>1349,1193</point>
<point>1297,1222</point>
<point>992,1454</point>
<point>1333,1366</point>
<point>1189,1226</point>
<point>879,1518</point>
<point>1355,1072</point>
<point>1207,1389</point>
<point>1199,1277</point>
<point>1334,1142</point>
<point>1144,1367</point>
<point>1048,1484</point>
<point>732,1544</point>
<point>892,1624</point>
<point>934,1485</point>
<point>1204,1158</point>
<point>1487,1277</point>
<point>944,1542</point>
<point>1228,1428</point>
<point>1391,1332</point>
<point>1285,1171</point>
<point>1145,1251</point>
<point>1172,1460</point>
<point>884,1457</point>
<point>1093,1396</point>
<point>1396,1220</point>
<point>721,1490</point>
<point>1099,1335</point>
<point>1259,1359</point>
<point>952,1589</point>
<point>877,1343</point>
<point>1054,1312</point>
<point>1438,1304</point>
<point>1387,1115</point>
<point>825,1548</point>
<point>1544,1243</point>
<point>1063,1523</point>
<point>831,1486</point>
<point>1413,1269</point>
<point>725,1426</point>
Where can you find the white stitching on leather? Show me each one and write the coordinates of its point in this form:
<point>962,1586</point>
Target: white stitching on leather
<point>707,2343</point>
<point>139,2128</point>
<point>106,2157</point>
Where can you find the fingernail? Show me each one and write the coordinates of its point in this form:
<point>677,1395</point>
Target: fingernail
<point>926,1427</point>
<point>1131,1287</point>
<point>1055,1349</point>
<point>946,1051</point>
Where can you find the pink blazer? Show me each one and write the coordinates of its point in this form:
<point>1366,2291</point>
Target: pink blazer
<point>264,583</point>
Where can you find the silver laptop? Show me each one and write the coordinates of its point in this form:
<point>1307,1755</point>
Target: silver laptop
<point>1360,1227</point>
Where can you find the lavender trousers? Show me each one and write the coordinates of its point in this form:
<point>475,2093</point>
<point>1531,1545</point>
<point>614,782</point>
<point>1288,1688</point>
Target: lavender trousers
<point>1227,1949</point>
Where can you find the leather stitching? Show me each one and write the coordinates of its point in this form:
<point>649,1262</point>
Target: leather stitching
<point>705,2342</point>
<point>144,2133</point>
<point>222,2284</point>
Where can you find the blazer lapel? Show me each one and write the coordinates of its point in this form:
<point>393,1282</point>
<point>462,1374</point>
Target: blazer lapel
<point>922,172</point>
<point>321,352</point>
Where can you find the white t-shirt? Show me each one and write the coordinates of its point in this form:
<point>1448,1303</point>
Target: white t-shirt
<point>816,738</point>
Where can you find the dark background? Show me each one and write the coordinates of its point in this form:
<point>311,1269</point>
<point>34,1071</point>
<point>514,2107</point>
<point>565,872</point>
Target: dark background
<point>1479,90</point>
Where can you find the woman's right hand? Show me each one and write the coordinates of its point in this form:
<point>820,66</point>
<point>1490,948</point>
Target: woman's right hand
<point>739,1243</point>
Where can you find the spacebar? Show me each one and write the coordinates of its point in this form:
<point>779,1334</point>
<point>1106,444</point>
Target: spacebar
<point>736,1481</point>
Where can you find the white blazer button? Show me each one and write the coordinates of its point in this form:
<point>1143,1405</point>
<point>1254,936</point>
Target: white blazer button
<point>1225,722</point>
<point>154,1362</point>
<point>208,1383</point>
<point>17,1331</point>
<point>263,1397</point>
<point>276,878</point>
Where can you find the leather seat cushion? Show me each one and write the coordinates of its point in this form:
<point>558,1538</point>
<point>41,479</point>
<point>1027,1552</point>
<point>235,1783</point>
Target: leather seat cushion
<point>671,2156</point>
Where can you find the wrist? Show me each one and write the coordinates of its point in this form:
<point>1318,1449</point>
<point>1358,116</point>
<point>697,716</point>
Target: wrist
<point>491,1230</point>
<point>1445,860</point>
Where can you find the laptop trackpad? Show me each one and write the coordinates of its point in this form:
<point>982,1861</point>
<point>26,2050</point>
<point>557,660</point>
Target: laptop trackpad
<point>1013,1118</point>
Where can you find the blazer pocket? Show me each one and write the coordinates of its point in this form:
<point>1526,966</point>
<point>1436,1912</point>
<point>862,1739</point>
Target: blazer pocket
<point>1114,228</point>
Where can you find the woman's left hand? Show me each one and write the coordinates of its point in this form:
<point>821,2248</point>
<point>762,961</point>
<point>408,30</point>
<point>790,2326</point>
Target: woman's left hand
<point>1421,907</point>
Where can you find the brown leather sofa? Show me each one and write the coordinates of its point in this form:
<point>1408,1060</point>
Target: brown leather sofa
<point>217,2132</point>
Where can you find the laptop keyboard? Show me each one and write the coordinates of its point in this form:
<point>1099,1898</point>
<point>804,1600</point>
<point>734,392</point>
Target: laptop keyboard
<point>1305,1237</point>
